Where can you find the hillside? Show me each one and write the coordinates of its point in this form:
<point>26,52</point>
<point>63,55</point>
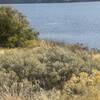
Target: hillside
<point>49,71</point>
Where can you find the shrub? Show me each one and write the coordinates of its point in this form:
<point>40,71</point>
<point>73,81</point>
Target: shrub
<point>35,72</point>
<point>47,67</point>
<point>14,28</point>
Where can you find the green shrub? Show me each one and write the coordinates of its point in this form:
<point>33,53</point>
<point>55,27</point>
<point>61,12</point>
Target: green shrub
<point>14,28</point>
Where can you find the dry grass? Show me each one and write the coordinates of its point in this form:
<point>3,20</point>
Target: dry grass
<point>8,97</point>
<point>96,56</point>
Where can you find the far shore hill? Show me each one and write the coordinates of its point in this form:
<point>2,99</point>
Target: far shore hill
<point>43,1</point>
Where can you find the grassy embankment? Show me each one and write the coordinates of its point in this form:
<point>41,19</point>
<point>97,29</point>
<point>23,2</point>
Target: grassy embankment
<point>49,71</point>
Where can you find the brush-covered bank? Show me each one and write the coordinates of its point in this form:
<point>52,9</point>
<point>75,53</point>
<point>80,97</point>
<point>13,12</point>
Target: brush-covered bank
<point>33,69</point>
<point>49,71</point>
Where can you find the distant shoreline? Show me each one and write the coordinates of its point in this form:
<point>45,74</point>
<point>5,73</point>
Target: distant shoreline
<point>3,2</point>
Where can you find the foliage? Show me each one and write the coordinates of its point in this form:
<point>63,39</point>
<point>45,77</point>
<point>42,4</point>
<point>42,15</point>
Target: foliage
<point>14,28</point>
<point>49,73</point>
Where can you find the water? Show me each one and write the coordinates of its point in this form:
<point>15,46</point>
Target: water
<point>65,22</point>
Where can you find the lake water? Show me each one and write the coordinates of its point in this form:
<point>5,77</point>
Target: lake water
<point>65,22</point>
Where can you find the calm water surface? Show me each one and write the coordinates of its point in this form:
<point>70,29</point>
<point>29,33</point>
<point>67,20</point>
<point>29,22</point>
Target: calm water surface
<point>65,22</point>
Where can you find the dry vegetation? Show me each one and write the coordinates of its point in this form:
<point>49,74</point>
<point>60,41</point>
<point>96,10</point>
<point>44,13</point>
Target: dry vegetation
<point>49,71</point>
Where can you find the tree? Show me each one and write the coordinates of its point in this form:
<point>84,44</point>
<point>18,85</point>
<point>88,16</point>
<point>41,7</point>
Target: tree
<point>15,30</point>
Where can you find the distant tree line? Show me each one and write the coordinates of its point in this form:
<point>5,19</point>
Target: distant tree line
<point>43,1</point>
